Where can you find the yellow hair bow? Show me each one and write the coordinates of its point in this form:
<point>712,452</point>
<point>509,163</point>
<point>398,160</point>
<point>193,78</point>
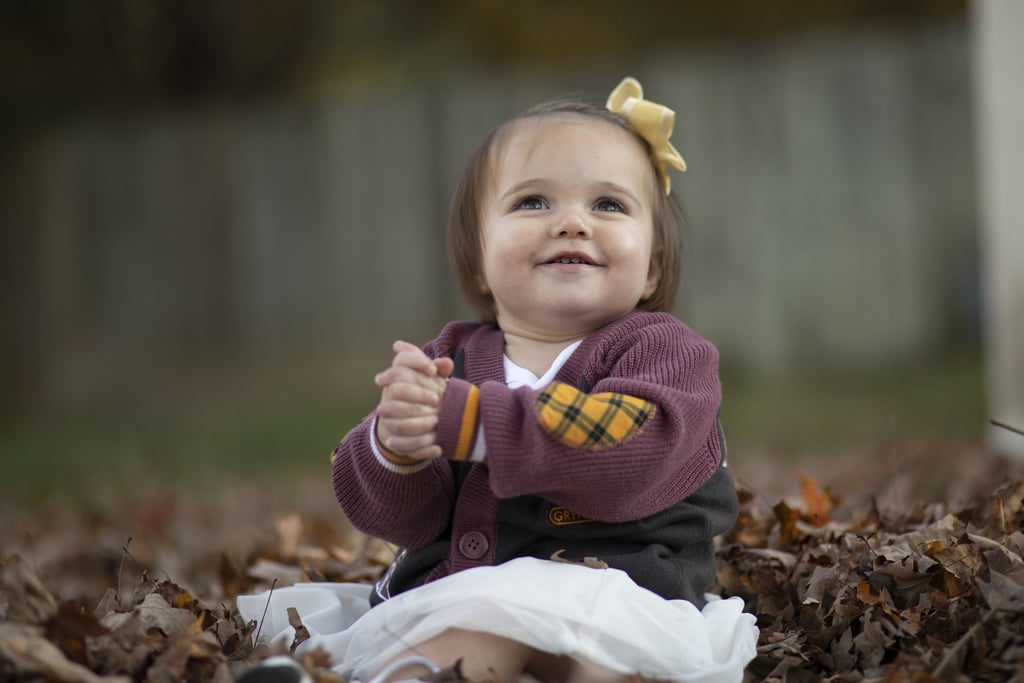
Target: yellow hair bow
<point>652,121</point>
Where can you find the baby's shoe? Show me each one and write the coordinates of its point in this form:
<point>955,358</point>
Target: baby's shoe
<point>277,669</point>
<point>282,669</point>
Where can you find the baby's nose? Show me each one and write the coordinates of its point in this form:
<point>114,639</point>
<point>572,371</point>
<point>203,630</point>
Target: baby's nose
<point>572,224</point>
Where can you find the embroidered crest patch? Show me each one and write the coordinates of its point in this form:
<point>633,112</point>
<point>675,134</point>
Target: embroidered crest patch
<point>560,516</point>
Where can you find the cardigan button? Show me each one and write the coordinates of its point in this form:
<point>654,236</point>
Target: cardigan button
<point>473,545</point>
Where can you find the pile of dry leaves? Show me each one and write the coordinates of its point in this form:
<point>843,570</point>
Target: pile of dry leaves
<point>936,596</point>
<point>157,631</point>
<point>931,592</point>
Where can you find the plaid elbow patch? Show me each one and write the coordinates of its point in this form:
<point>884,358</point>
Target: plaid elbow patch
<point>591,422</point>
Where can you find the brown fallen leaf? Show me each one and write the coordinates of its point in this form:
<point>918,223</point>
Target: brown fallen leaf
<point>301,632</point>
<point>822,583</point>
<point>317,662</point>
<point>269,571</point>
<point>153,615</point>
<point>1001,581</point>
<point>23,598</point>
<point>71,628</point>
<point>193,656</point>
<point>592,562</point>
<point>818,503</point>
<point>789,533</point>
<point>26,654</point>
<point>289,533</point>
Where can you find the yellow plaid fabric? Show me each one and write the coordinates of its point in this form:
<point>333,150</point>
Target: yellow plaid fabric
<point>591,422</point>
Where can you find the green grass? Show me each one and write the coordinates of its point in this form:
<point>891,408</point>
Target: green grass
<point>944,399</point>
<point>84,455</point>
<point>76,456</point>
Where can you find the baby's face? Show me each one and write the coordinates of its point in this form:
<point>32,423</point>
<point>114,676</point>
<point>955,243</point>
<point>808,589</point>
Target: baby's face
<point>567,226</point>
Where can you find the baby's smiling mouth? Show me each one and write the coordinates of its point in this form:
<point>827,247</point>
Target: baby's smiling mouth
<point>570,259</point>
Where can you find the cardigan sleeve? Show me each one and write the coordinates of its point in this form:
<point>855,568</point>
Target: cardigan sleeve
<point>403,505</point>
<point>403,501</point>
<point>642,438</point>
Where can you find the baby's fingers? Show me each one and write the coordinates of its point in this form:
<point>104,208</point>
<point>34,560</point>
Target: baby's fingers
<point>411,356</point>
<point>396,409</point>
<point>444,366</point>
<point>417,426</point>
<point>412,437</point>
<point>430,452</point>
<point>427,394</point>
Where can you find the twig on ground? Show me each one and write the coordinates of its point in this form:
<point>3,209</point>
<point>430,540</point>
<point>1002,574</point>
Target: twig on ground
<point>263,617</point>
<point>1007,427</point>
<point>120,569</point>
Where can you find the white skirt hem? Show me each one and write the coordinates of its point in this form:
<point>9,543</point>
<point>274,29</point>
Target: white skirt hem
<point>599,615</point>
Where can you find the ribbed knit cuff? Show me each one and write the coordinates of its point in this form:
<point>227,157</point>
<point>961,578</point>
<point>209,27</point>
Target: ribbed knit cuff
<point>458,430</point>
<point>392,461</point>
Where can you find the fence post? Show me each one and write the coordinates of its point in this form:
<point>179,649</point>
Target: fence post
<point>999,61</point>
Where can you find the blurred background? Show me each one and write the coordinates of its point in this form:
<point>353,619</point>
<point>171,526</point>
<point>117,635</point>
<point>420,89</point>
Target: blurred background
<point>216,216</point>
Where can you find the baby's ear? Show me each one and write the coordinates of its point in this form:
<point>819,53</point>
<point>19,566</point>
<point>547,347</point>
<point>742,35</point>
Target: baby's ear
<point>653,278</point>
<point>482,286</point>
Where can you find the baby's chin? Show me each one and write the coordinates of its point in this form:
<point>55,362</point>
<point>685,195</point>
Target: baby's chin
<point>567,321</point>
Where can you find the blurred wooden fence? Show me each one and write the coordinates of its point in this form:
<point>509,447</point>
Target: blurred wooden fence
<point>830,192</point>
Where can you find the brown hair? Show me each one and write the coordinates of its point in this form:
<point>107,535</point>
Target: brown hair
<point>464,234</point>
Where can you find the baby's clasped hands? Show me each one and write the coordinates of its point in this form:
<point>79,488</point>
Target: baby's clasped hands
<point>411,392</point>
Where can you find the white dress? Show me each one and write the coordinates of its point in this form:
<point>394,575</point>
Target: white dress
<point>599,615</point>
<point>595,614</point>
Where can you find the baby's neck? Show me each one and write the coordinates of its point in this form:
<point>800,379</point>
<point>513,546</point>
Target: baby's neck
<point>536,355</point>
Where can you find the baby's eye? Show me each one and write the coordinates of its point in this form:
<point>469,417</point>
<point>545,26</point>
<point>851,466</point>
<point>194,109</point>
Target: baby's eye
<point>532,203</point>
<point>609,205</point>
